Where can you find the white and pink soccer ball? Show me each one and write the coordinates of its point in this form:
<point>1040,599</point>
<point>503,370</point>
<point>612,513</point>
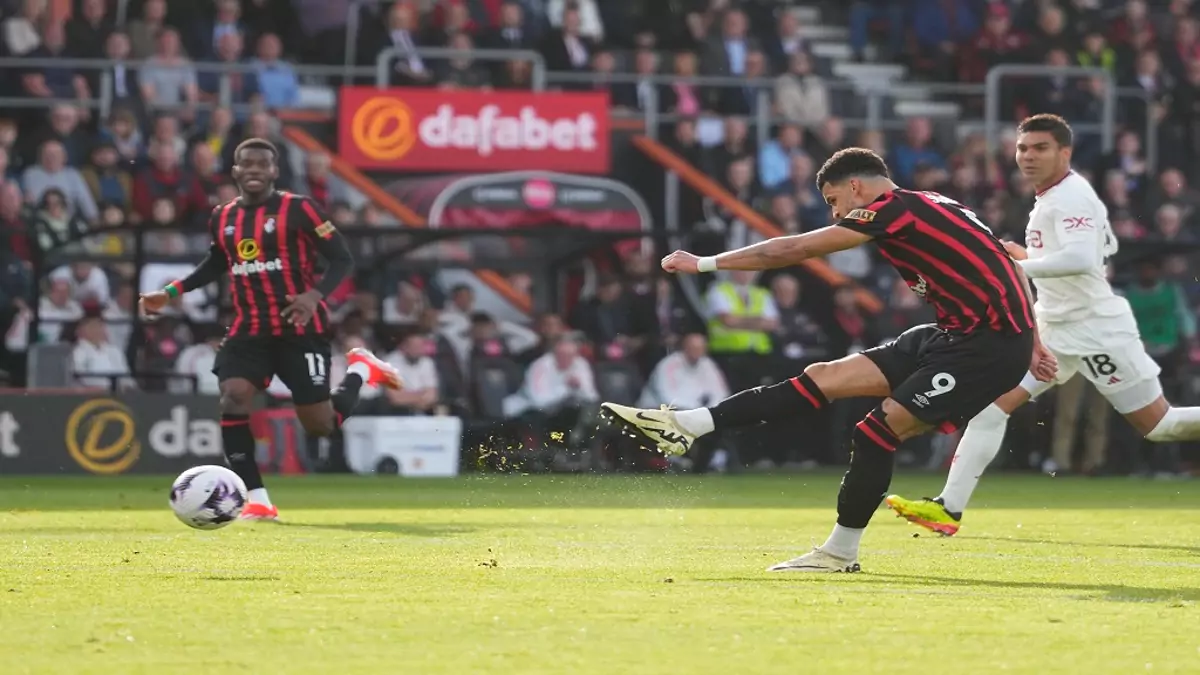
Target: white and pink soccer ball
<point>208,497</point>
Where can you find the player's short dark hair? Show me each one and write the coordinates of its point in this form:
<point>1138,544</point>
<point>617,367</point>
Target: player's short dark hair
<point>256,144</point>
<point>1052,124</point>
<point>851,162</point>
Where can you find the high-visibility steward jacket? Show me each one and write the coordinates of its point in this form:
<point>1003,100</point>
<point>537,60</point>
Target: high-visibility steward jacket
<point>725,340</point>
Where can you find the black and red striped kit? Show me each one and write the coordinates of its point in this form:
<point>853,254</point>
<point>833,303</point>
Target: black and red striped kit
<point>981,345</point>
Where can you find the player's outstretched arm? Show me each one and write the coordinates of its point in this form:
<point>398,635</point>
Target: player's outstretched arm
<point>770,254</point>
<point>209,270</point>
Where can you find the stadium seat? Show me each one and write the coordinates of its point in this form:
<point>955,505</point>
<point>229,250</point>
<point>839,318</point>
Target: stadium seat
<point>50,366</point>
<point>618,381</point>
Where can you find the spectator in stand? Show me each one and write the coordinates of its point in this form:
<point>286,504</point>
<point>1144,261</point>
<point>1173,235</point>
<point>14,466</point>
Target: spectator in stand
<point>122,131</point>
<point>55,223</point>
<point>52,172</point>
<point>683,98</point>
<point>461,72</point>
<point>1052,33</point>
<point>590,26</point>
<point>1168,225</point>
<point>144,32</point>
<point>402,30</point>
<point>735,146</point>
<point>64,128</point>
<point>319,182</point>
<point>218,135</point>
<point>1184,48</point>
<point>168,78</point>
<point>228,21</point>
<point>549,328</point>
<point>448,18</point>
<point>195,363</point>
<point>785,42</point>
<point>277,80</point>
<point>1096,52</point>
<point>118,315</point>
<point>87,32</point>
<point>558,395</point>
<point>939,28</point>
<point>88,283</point>
<point>95,360</point>
<point>739,180</point>
<point>566,49</point>
<point>1129,159</point>
<point>998,43</point>
<point>812,210</point>
<point>917,149</point>
<point>17,235</point>
<point>727,53</point>
<point>21,34</point>
<point>800,94</point>
<point>610,317</point>
<point>243,84</point>
<point>108,182</point>
<point>604,65</point>
<point>124,87</point>
<point>799,338</point>
<point>56,309</point>
<point>741,316</point>
<point>745,100</point>
<point>865,12</point>
<point>54,82</point>
<point>783,213</point>
<point>459,317</point>
<point>406,306</point>
<point>166,132</point>
<point>775,157</point>
<point>826,138</point>
<point>421,393</point>
<point>202,181</point>
<point>1173,189</point>
<point>642,94</point>
<point>510,33</point>
<point>1185,126</point>
<point>163,179</point>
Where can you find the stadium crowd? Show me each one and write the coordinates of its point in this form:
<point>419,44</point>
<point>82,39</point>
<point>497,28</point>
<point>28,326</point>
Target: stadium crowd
<point>159,162</point>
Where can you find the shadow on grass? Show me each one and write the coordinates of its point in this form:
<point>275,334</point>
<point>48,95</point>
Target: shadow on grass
<point>1195,550</point>
<point>401,529</point>
<point>1108,592</point>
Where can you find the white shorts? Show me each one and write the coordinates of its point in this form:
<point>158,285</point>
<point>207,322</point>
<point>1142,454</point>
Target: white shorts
<point>1114,361</point>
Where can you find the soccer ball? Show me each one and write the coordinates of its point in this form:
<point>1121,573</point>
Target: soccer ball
<point>208,497</point>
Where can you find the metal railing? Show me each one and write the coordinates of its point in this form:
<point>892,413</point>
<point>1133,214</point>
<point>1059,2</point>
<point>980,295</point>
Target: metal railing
<point>992,97</point>
<point>537,76</point>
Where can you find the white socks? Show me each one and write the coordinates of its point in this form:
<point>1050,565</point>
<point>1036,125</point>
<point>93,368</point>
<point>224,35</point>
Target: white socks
<point>259,496</point>
<point>843,542</point>
<point>697,422</point>
<point>979,445</point>
<point>360,369</point>
<point>1179,424</point>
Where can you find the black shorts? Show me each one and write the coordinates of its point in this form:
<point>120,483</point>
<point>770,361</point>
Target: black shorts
<point>945,379</point>
<point>300,361</point>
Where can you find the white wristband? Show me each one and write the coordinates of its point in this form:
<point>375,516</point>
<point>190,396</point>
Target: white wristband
<point>707,264</point>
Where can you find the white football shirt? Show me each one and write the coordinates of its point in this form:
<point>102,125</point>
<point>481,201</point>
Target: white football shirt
<point>1067,239</point>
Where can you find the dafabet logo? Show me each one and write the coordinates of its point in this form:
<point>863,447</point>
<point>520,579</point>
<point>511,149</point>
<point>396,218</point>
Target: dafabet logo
<point>422,129</point>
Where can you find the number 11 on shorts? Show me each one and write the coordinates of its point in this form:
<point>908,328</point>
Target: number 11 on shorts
<point>316,366</point>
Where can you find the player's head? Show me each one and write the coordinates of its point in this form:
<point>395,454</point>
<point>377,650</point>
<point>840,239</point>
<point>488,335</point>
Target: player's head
<point>254,166</point>
<point>1044,148</point>
<point>853,178</point>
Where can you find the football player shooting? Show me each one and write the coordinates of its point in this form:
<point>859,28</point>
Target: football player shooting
<point>1090,329</point>
<point>264,240</point>
<point>983,342</point>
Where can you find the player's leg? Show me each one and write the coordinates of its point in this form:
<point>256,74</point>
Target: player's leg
<point>979,445</point>
<point>1128,378</point>
<point>243,368</point>
<point>870,373</point>
<point>303,362</point>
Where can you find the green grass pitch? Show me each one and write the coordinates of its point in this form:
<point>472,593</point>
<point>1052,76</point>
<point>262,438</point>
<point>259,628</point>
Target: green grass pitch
<point>591,575</point>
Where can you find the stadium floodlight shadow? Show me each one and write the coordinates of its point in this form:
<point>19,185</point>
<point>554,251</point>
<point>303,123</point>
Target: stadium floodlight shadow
<point>1194,550</point>
<point>920,583</point>
<point>403,529</point>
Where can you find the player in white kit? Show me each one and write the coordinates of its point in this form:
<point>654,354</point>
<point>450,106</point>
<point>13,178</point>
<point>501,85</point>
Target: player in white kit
<point>1090,329</point>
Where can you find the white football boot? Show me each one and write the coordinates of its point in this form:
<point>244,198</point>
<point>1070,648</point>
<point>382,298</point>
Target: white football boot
<point>817,560</point>
<point>657,426</point>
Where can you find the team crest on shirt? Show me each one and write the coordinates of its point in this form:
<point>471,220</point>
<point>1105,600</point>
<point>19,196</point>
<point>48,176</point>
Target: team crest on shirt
<point>325,230</point>
<point>269,226</point>
<point>861,215</point>
<point>248,249</point>
<point>921,287</point>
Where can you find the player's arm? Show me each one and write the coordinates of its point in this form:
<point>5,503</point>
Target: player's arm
<point>339,263</point>
<point>210,269</point>
<point>789,250</point>
<point>1079,227</point>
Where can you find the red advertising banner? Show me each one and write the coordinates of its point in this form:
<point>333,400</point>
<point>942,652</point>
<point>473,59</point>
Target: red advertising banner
<point>437,130</point>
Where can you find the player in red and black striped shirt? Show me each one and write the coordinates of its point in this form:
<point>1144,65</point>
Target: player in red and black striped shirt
<point>936,376</point>
<point>269,243</point>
